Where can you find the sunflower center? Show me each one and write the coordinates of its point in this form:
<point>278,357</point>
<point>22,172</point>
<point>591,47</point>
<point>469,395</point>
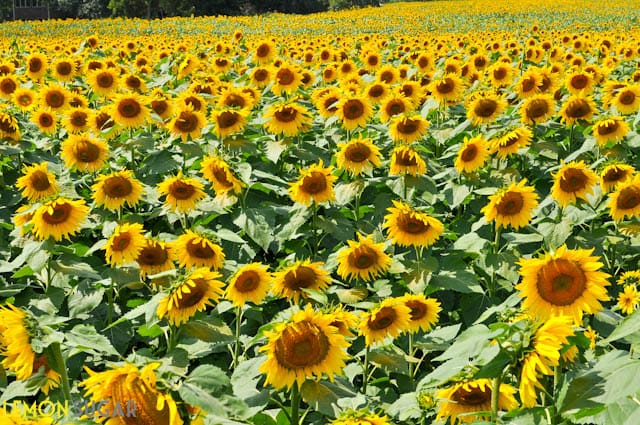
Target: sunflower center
<point>159,106</point>
<point>408,126</point>
<point>261,75</point>
<point>194,102</point>
<point>200,250</point>
<point>129,108</point>
<point>545,83</point>
<point>302,277</point>
<point>58,213</point>
<point>627,97</point>
<point>248,281</point>
<point>285,77</point>
<point>105,80</point>
<point>469,153</point>
<point>153,255</point>
<point>227,119</point>
<point>418,309</point>
<point>510,204</point>
<point>121,242</point>
<point>133,82</point>
<point>117,187</point>
<point>537,108</point>
<point>629,198</point>
<point>608,127</point>
<point>353,109</point>
<point>79,119</point>
<point>330,101</point>
<point>25,100</point>
<point>376,91</point>
<point>614,175</point>
<point>54,99</point>
<point>104,121</point>
<point>35,65</point>
<point>410,224</point>
<point>300,346</point>
<point>189,299</point>
<point>446,86</point>
<point>386,76</point>
<point>373,60</point>
<point>383,319</point>
<point>528,84</point>
<point>187,122</point>
<point>263,51</point>
<point>573,180</point>
<point>579,81</point>
<point>357,152</point>
<point>509,140</point>
<point>87,151</point>
<point>64,68</point>
<point>181,190</point>
<point>286,114</point>
<point>235,101</point>
<point>560,282</point>
<point>8,86</point>
<point>45,120</point>
<point>578,109</point>
<point>423,62</point>
<point>405,159</point>
<point>39,181</point>
<point>499,73</point>
<point>474,396</point>
<point>363,257</point>
<point>314,183</point>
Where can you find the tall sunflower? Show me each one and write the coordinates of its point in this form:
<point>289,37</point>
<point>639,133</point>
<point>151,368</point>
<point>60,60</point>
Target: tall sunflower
<point>182,193</point>
<point>625,200</point>
<point>37,182</point>
<point>363,259</point>
<point>512,205</point>
<point>315,184</point>
<point>408,129</point>
<point>306,346</point>
<point>103,81</point>
<point>201,288</point>
<point>472,155</point>
<point>627,100</point>
<point>537,109</point>
<point>405,160</point>
<point>354,112</point>
<point>228,121</point>
<point>155,257</point>
<point>291,282</point>
<point>116,189</point>
<point>287,118</point>
<point>84,153</point>
<point>565,282</point>
<point>572,182</point>
<point>408,227</point>
<point>128,384</point>
<point>388,319</point>
<point>250,282</point>
<point>612,129</point>
<point>125,244</point>
<point>424,311</point>
<point>59,218</point>
<point>485,108</point>
<point>577,107</point>
<point>129,110</point>
<point>187,123</point>
<point>194,250</point>
<point>358,156</point>
<point>468,401</point>
<point>446,89</point>
<point>218,172</point>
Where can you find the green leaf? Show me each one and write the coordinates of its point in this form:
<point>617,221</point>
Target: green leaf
<point>405,407</point>
<point>84,299</point>
<point>472,243</point>
<point>196,396</point>
<point>459,281</point>
<point>210,331</point>
<point>629,329</point>
<point>257,227</point>
<point>229,235</point>
<point>389,360</point>
<point>17,389</point>
<point>210,378</point>
<point>319,397</point>
<point>85,339</point>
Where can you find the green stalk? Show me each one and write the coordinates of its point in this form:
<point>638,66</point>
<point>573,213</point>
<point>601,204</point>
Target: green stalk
<point>365,372</point>
<point>295,404</point>
<point>54,354</point>
<point>412,369</point>
<point>314,215</point>
<point>495,398</point>
<point>236,348</point>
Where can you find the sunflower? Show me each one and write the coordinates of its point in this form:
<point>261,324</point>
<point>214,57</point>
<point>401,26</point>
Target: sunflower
<point>261,76</point>
<point>408,129</point>
<point>326,101</point>
<point>198,290</point>
<point>103,81</point>
<point>512,206</point>
<point>628,299</point>
<point>190,99</point>
<point>629,278</point>
<point>55,97</point>
<point>9,127</point>
<point>194,250</point>
<point>388,319</point>
<point>360,417</point>
<point>134,83</point>
<point>155,257</point>
<point>566,282</point>
<point>129,110</point>
<point>358,156</point>
<point>574,180</point>
<point>37,182</point>
<point>161,105</point>
<point>537,108</point>
<point>344,320</point>
<point>182,193</point>
<point>250,282</point>
<point>306,346</point>
<point>64,69</point>
<point>287,118</point>
<point>292,281</point>
<point>408,227</point>
<point>387,74</point>
<point>59,218</point>
<point>446,89</point>
<point>287,79</point>
<point>500,74</point>
<point>577,107</point>
<point>579,82</point>
<point>77,120</point>
<point>512,141</point>
<point>468,401</point>
<point>24,98</point>
<point>115,189</point>
<point>264,52</point>
<point>485,108</point>
<point>393,105</point>
<point>376,92</point>
<point>472,155</point>
<point>625,200</point>
<point>611,129</point>
<point>363,259</point>
<point>187,123</point>
<point>125,244</point>
<point>547,343</point>
<point>129,385</point>
<point>228,121</point>
<point>84,153</point>
<point>36,66</point>
<point>405,160</point>
<point>529,84</point>
<point>315,184</point>
<point>424,311</point>
<point>235,98</point>
<point>353,112</point>
<point>8,85</point>
<point>218,172</point>
<point>627,100</point>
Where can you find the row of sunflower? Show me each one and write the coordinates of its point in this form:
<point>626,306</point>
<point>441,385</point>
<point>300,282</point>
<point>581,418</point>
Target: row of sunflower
<point>362,229</point>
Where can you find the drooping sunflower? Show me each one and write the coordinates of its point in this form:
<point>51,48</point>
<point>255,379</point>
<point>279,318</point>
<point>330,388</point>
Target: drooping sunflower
<point>187,123</point>
<point>625,200</point>
<point>315,184</point>
<point>116,189</point>
<point>306,346</point>
<point>577,107</point>
<point>291,282</point>
<point>628,299</point>
<point>182,193</point>
<point>446,89</point>
<point>408,227</point>
<point>59,218</point>
<point>363,259</point>
<point>512,141</point>
<point>512,205</point>
<point>358,156</point>
<point>228,121</point>
<point>103,81</point>
<point>565,282</point>
<point>408,128</point>
<point>388,319</point>
<point>84,153</point>
<point>547,343</point>
<point>468,401</point>
<point>194,250</point>
<point>134,387</point>
<point>537,108</point>
<point>287,118</point>
<point>424,311</point>
<point>129,110</point>
<point>574,180</point>
<point>612,129</point>
<point>45,119</point>
<point>218,172</point>
<point>345,321</point>
<point>627,100</point>
<point>472,155</point>
<point>37,182</point>
<point>155,257</point>
<point>485,108</point>
<point>354,112</point>
<point>250,282</point>
<point>125,244</point>
<point>201,288</point>
<point>405,160</point>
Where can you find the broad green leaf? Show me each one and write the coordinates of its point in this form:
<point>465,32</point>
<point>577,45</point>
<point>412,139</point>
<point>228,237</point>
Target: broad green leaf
<point>210,378</point>
<point>85,339</point>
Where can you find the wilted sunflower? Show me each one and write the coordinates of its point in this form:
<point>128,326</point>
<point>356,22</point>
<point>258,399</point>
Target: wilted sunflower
<point>250,282</point>
<point>59,218</point>
<point>228,121</point>
<point>485,108</point>
<point>566,282</point>
<point>187,123</point>
<point>512,205</point>
<point>103,81</point>
<point>218,172</point>
<point>577,107</point>
<point>574,180</point>
<point>129,385</point>
<point>446,89</point>
<point>315,184</point>
<point>405,160</point>
<point>628,299</point>
<point>358,156</point>
<point>291,282</point>
<point>193,250</point>
<point>363,259</point>
<point>306,346</point>
<point>129,110</point>
<point>424,311</point>
<point>627,100</point>
<point>388,319</point>
<point>287,118</point>
<point>547,342</point>
<point>537,109</point>
<point>472,154</point>
<point>625,200</point>
<point>353,112</point>
<point>408,227</point>
<point>461,400</point>
<point>84,153</point>
<point>45,119</point>
<point>408,129</point>
<point>155,257</point>
<point>116,189</point>
<point>512,141</point>
<point>182,193</point>
<point>125,244</point>
<point>198,290</point>
<point>611,129</point>
<point>37,182</point>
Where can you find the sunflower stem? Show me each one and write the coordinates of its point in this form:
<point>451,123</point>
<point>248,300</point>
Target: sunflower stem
<point>236,348</point>
<point>495,398</point>
<point>110,301</point>
<point>571,136</point>
<point>314,215</point>
<point>365,372</point>
<point>295,404</point>
<point>412,369</point>
<point>58,364</point>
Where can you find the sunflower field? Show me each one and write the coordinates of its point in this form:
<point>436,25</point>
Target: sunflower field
<point>418,213</point>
